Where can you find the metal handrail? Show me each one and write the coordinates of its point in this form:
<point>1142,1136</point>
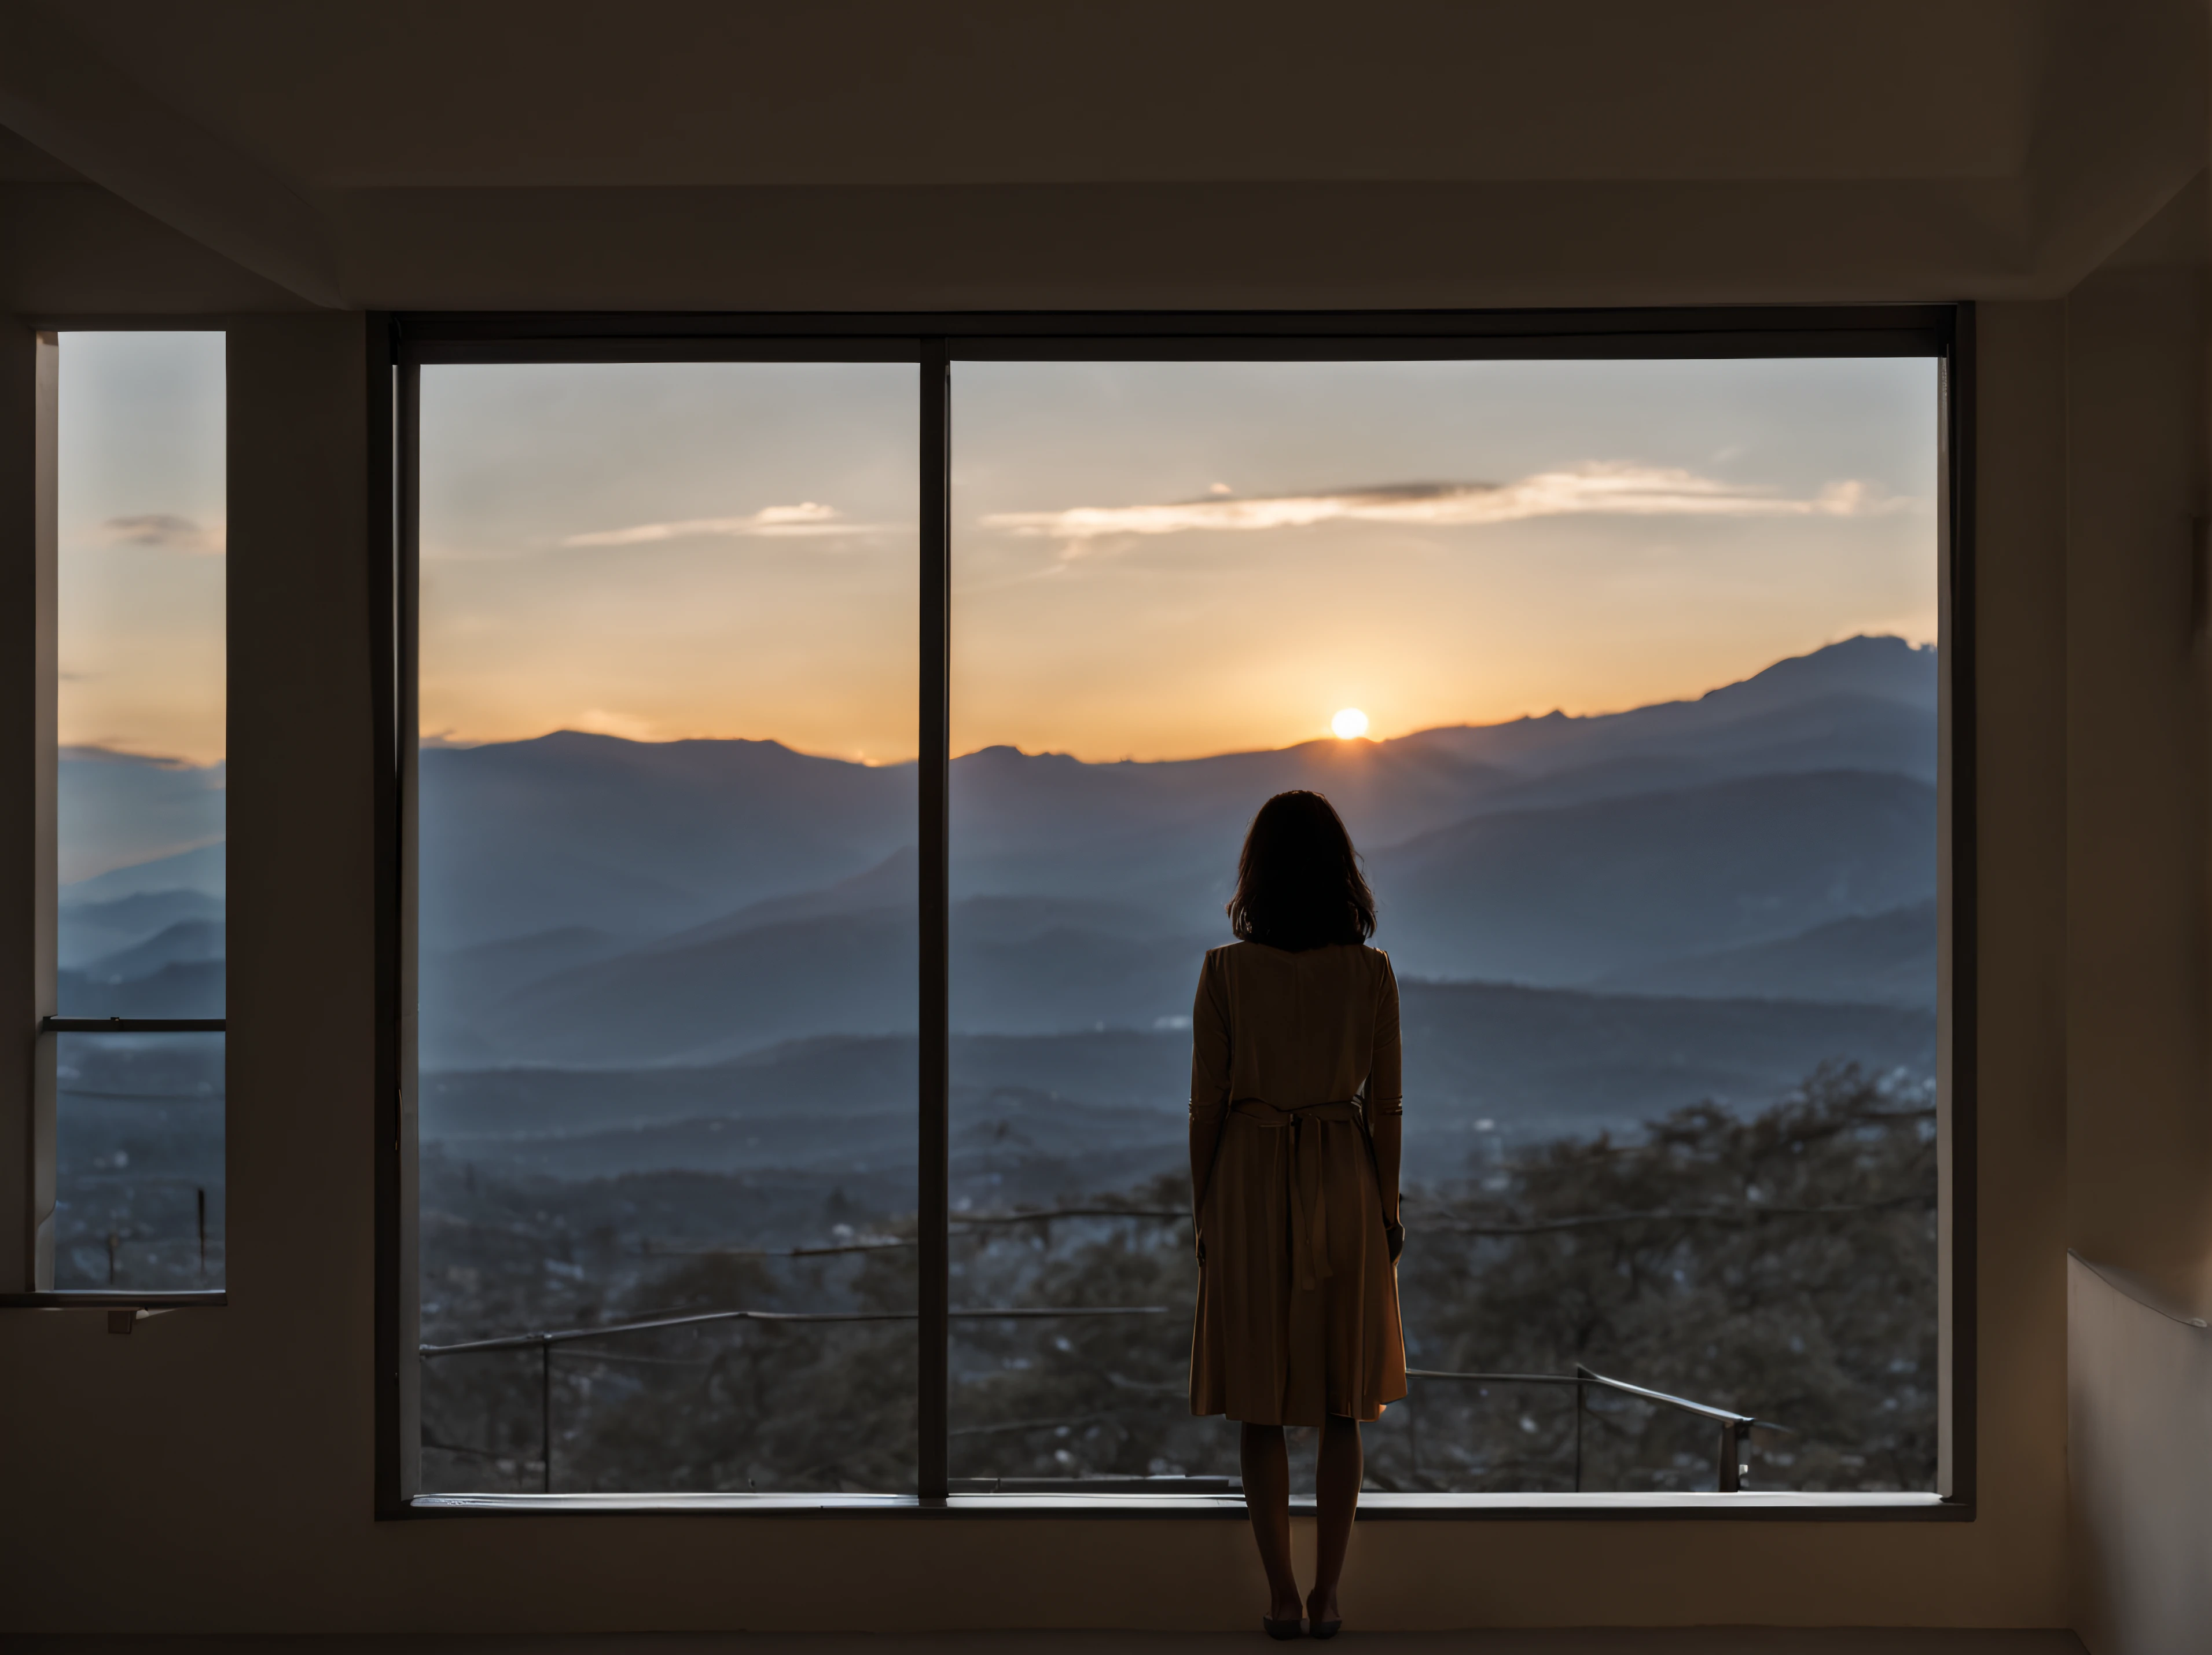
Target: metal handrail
<point>1733,1425</point>
<point>566,1335</point>
<point>1729,1468</point>
<point>544,1343</point>
<point>1722,1415</point>
<point>133,1025</point>
<point>647,1248</point>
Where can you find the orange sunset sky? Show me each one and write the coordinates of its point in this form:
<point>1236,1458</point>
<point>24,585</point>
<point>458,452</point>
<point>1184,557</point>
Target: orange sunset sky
<point>1151,560</point>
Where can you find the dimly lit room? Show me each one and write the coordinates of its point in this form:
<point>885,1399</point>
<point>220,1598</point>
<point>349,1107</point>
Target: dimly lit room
<point>1060,825</point>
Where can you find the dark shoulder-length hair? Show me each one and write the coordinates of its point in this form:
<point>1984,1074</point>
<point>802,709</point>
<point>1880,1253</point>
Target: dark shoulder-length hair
<point>1298,883</point>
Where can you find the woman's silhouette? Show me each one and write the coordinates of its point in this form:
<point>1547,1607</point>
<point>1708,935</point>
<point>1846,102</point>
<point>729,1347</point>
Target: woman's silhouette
<point>1296,1120</point>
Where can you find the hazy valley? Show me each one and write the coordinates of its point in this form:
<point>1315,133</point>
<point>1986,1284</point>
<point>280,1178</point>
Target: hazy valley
<point>1596,918</point>
<point>668,1036</point>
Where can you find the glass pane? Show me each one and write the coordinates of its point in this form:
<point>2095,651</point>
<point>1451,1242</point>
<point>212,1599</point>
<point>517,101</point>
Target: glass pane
<point>140,602</point>
<point>667,926</point>
<point>1623,675</point>
<point>138,1158</point>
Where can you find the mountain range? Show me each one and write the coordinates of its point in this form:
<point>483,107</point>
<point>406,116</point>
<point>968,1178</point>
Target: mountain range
<point>1042,1117</point>
<point>1634,851</point>
<point>589,902</point>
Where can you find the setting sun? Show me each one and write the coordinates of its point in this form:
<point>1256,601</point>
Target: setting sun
<point>1349,722</point>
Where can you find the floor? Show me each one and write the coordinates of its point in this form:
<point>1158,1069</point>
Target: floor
<point>1719,1640</point>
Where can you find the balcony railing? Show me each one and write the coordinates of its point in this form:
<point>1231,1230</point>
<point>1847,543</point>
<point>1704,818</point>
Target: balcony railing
<point>127,1306</point>
<point>545,1342</point>
<point>1729,1468</point>
<point>1732,1427</point>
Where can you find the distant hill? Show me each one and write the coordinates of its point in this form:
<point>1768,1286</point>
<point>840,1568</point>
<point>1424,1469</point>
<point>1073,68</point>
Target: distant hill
<point>1541,896</point>
<point>1546,1059</point>
<point>176,972</point>
<point>91,928</point>
<point>119,810</point>
<point>1019,964</point>
<point>457,984</point>
<point>1832,733</point>
<point>1817,696</point>
<point>892,882</point>
<point>1564,896</point>
<point>1167,834</point>
<point>595,902</point>
<point>1485,1063</point>
<point>1554,851</point>
<point>845,974</point>
<point>186,942</point>
<point>192,989</point>
<point>1884,959</point>
<point>199,872</point>
<point>638,838</point>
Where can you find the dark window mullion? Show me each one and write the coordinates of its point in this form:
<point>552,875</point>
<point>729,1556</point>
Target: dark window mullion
<point>934,1171</point>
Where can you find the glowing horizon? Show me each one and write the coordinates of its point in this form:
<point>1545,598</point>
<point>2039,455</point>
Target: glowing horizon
<point>140,573</point>
<point>1325,735</point>
<point>1147,562</point>
<point>1144,569</point>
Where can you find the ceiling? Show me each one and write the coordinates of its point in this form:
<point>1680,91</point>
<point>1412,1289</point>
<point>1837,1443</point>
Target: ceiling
<point>1011,154</point>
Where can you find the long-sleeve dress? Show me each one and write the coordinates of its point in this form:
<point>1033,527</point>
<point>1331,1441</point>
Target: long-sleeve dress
<point>1298,1299</point>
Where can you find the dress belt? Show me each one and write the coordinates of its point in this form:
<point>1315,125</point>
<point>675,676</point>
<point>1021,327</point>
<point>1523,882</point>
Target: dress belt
<point>1302,1168</point>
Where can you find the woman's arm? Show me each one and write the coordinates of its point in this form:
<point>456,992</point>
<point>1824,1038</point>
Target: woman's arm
<point>1205,1139</point>
<point>1209,1090</point>
<point>1386,1100</point>
<point>1389,1141</point>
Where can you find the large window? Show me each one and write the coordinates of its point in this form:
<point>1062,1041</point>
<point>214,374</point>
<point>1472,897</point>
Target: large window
<point>666,934</point>
<point>1623,674</point>
<point>831,773</point>
<point>137,1144</point>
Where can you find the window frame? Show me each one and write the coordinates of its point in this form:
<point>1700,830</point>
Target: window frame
<point>29,1108</point>
<point>934,341</point>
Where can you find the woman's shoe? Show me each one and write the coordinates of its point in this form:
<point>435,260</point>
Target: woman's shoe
<point>1285,1628</point>
<point>1317,1628</point>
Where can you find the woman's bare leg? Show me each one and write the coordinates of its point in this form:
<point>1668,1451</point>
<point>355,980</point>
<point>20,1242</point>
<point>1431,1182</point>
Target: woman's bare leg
<point>1266,1467</point>
<point>1337,1473</point>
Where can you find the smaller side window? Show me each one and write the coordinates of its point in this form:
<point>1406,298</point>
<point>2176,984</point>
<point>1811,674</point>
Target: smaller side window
<point>137,1141</point>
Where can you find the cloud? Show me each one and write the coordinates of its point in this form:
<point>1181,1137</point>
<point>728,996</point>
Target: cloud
<point>599,721</point>
<point>163,528</point>
<point>772,522</point>
<point>1609,488</point>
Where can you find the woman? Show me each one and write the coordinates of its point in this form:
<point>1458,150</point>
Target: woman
<point>1295,1125</point>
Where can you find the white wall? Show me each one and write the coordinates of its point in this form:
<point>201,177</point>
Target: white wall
<point>2140,1432</point>
<point>220,1462</point>
<point>2139,1123</point>
<point>214,1471</point>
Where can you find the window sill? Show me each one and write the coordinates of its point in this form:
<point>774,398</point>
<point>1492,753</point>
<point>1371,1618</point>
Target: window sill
<point>108,1298</point>
<point>1386,1507</point>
